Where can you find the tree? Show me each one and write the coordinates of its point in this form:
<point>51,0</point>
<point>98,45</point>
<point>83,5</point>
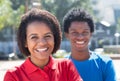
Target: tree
<point>60,7</point>
<point>9,18</point>
<point>5,13</point>
<point>17,3</point>
<point>118,26</point>
<point>16,15</point>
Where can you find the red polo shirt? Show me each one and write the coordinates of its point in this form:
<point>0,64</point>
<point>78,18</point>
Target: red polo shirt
<point>56,70</point>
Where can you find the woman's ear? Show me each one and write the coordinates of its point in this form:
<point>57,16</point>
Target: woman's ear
<point>26,45</point>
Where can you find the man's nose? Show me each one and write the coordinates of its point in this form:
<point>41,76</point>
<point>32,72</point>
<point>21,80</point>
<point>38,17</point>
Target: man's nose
<point>80,36</point>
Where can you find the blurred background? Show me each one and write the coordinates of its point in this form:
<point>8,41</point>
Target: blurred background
<point>106,14</point>
<point>105,40</point>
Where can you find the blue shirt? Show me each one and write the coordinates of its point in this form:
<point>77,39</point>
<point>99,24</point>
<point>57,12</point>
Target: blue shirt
<point>96,68</point>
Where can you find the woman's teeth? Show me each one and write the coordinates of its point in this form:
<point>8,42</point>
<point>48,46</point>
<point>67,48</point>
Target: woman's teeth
<point>41,50</point>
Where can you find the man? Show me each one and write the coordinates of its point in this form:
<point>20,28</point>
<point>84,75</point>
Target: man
<point>79,27</point>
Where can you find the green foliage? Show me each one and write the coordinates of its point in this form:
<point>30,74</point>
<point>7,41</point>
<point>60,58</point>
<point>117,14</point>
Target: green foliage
<point>17,3</point>
<point>61,7</point>
<point>61,54</point>
<point>5,13</point>
<point>10,10</point>
<point>118,26</point>
<point>8,16</point>
<point>9,19</point>
<point>16,15</point>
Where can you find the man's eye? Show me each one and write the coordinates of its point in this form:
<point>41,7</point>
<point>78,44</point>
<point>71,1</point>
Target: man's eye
<point>74,33</point>
<point>85,33</point>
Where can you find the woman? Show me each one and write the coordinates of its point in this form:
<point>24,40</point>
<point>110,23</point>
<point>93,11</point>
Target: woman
<point>38,37</point>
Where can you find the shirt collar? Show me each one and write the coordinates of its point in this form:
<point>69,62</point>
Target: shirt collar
<point>29,67</point>
<point>51,64</point>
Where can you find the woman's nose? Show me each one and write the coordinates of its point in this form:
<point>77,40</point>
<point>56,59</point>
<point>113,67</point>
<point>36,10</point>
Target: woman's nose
<point>41,41</point>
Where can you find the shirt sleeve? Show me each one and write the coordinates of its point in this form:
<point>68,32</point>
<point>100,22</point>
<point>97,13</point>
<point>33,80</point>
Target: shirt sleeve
<point>109,72</point>
<point>73,74</point>
<point>9,77</point>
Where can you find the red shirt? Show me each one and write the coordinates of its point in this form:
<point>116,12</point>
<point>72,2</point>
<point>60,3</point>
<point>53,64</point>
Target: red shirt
<point>56,70</point>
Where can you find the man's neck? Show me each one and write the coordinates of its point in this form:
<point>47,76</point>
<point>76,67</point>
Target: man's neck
<point>80,55</point>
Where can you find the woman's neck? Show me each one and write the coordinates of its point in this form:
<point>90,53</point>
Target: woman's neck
<point>40,63</point>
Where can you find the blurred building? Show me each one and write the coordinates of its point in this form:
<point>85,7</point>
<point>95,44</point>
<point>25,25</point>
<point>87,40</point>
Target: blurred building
<point>107,12</point>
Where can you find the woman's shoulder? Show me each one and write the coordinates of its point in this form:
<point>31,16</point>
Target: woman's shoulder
<point>11,73</point>
<point>13,70</point>
<point>63,61</point>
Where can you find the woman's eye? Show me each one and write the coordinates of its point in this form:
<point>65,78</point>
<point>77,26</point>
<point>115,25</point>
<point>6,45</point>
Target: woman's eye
<point>48,37</point>
<point>34,37</point>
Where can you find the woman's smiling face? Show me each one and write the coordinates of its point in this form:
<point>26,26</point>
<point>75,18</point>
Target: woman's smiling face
<point>39,40</point>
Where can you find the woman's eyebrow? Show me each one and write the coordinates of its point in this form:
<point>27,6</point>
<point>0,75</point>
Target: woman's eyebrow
<point>32,35</point>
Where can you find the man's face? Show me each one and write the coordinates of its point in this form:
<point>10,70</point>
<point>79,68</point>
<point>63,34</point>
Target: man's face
<point>79,35</point>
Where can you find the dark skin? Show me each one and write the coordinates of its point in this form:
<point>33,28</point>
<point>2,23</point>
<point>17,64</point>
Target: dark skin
<point>40,43</point>
<point>79,35</point>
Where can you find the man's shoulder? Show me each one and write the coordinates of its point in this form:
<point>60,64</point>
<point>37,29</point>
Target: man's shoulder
<point>101,58</point>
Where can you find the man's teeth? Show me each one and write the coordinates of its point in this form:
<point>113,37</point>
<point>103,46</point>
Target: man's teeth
<point>80,42</point>
<point>41,50</point>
